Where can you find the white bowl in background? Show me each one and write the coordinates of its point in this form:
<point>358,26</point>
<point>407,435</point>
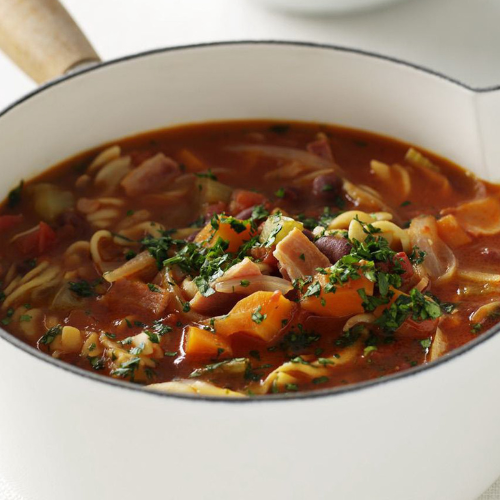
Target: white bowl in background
<point>325,6</point>
<point>429,433</point>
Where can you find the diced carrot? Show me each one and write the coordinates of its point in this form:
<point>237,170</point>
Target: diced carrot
<point>9,221</point>
<point>203,343</point>
<point>190,160</point>
<point>242,199</point>
<point>228,231</point>
<point>396,294</point>
<point>262,315</point>
<point>128,297</point>
<point>345,301</point>
<point>451,232</point>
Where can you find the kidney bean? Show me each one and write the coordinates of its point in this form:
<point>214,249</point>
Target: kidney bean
<point>192,236</point>
<point>327,186</point>
<point>334,248</point>
<point>216,208</point>
<point>309,234</point>
<point>245,214</point>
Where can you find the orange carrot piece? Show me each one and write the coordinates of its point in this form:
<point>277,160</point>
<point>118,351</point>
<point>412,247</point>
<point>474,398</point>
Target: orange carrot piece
<point>345,301</point>
<point>262,315</point>
<point>380,309</point>
<point>203,343</point>
<point>451,232</point>
<point>209,235</point>
<point>190,160</point>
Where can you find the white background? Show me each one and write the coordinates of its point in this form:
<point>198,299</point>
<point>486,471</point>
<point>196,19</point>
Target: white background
<point>460,38</point>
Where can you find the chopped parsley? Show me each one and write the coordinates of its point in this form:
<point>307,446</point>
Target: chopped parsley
<point>51,334</point>
<point>257,317</point>
<point>320,380</point>
<point>153,288</point>
<point>207,175</point>
<point>8,317</point>
<point>475,328</point>
<point>96,362</point>
<point>128,368</point>
<point>426,343</point>
<point>280,193</point>
<point>82,288</point>
<point>14,196</point>
<point>259,212</point>
<point>280,128</point>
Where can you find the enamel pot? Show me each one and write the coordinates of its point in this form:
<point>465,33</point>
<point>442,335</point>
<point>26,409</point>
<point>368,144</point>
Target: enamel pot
<point>429,433</point>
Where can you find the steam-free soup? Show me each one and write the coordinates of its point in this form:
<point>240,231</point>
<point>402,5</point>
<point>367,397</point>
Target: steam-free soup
<point>249,258</point>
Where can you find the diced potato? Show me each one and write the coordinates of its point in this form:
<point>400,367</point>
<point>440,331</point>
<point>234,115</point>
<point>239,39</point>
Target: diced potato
<point>92,347</point>
<point>345,301</point>
<point>50,201</point>
<point>278,227</point>
<point>262,315</point>
<point>204,343</point>
<point>142,341</point>
<point>451,232</point>
<point>211,191</point>
<point>71,339</point>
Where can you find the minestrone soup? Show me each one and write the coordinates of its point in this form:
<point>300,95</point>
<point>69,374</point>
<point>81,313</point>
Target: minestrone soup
<point>250,258</point>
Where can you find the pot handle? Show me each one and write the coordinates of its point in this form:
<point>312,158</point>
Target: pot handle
<point>42,38</point>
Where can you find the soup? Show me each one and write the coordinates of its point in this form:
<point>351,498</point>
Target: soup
<point>250,258</point>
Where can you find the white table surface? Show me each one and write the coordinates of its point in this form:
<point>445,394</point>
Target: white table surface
<point>459,38</point>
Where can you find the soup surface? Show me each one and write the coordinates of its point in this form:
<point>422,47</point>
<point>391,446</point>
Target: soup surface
<point>248,258</point>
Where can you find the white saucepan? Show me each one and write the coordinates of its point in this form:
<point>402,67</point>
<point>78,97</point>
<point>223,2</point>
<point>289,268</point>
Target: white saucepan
<point>430,433</point>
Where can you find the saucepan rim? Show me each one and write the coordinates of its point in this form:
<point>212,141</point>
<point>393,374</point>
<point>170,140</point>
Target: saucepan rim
<point>275,398</point>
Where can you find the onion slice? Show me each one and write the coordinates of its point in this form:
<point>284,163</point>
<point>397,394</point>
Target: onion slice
<point>254,284</point>
<point>440,262</point>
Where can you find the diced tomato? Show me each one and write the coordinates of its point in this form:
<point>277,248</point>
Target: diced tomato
<point>404,262</point>
<point>419,329</point>
<point>406,265</point>
<point>243,199</point>
<point>9,221</point>
<point>37,241</point>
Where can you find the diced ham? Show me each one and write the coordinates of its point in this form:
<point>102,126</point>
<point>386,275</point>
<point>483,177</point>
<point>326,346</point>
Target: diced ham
<point>135,297</point>
<point>298,256</point>
<point>321,148</point>
<point>244,268</point>
<point>152,174</point>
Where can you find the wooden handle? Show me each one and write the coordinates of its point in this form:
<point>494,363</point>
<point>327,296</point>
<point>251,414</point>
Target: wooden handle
<point>42,38</point>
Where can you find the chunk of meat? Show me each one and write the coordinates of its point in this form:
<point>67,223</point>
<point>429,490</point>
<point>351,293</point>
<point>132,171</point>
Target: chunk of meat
<point>321,148</point>
<point>298,256</point>
<point>153,174</point>
<point>134,297</point>
<point>244,268</point>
